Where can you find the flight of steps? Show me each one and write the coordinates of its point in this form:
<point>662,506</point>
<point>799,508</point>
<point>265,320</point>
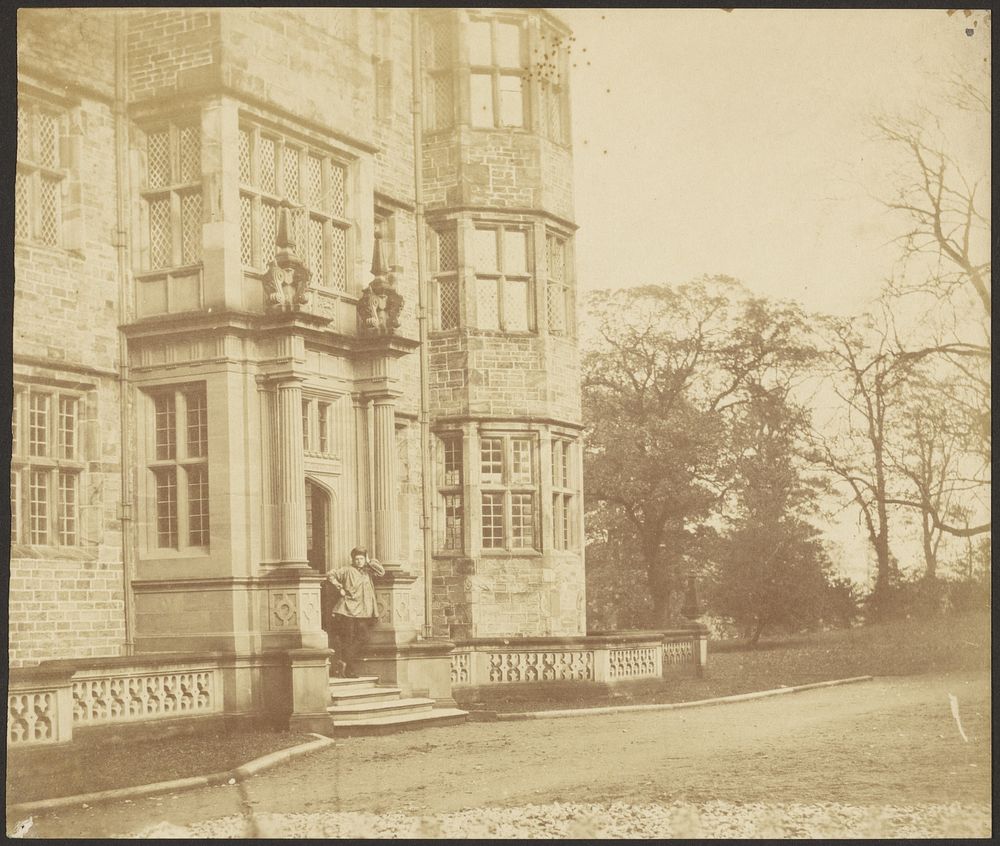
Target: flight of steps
<point>362,707</point>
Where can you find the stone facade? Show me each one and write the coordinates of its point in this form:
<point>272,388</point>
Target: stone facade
<point>193,440</point>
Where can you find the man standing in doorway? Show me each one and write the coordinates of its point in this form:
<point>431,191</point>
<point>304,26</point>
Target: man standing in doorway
<point>355,611</point>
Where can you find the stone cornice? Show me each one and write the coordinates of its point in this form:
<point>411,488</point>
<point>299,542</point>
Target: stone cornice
<point>433,214</point>
<point>312,327</point>
<point>449,420</point>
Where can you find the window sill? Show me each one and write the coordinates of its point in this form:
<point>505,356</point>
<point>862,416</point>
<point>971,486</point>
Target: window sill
<point>48,551</point>
<point>51,249</point>
<point>175,554</point>
<point>159,272</point>
<point>508,553</point>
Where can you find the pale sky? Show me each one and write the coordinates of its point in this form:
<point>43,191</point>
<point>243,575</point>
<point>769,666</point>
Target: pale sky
<point>715,142</point>
<point>740,143</point>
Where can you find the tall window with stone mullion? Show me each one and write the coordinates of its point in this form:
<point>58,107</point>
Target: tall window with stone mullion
<point>272,169</point>
<point>507,490</point>
<point>503,278</point>
<point>46,466</point>
<point>438,60</point>
<point>39,174</point>
<point>445,278</point>
<point>563,494</point>
<point>172,196</point>
<point>179,468</point>
<point>451,511</point>
<point>551,75</point>
<point>497,67</point>
<point>558,290</point>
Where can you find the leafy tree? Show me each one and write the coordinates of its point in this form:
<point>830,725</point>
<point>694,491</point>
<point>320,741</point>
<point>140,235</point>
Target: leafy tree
<point>663,380</point>
<point>772,569</point>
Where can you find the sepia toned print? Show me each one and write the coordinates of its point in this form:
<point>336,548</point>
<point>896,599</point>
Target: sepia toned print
<point>340,337</point>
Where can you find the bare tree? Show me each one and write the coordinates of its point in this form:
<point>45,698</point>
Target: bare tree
<point>867,373</point>
<point>946,250</point>
<point>945,206</point>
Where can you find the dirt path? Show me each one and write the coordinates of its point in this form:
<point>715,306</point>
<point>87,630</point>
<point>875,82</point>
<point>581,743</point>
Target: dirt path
<point>892,741</point>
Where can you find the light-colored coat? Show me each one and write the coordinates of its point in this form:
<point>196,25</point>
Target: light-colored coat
<point>357,593</point>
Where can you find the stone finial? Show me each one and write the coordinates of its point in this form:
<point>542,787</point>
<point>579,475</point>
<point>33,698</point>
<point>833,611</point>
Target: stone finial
<point>287,279</point>
<point>380,304</point>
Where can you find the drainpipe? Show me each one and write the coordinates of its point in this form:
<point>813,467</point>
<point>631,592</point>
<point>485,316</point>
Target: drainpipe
<point>422,316</point>
<point>121,250</point>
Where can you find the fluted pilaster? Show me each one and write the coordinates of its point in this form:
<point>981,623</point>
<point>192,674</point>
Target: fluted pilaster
<point>291,473</point>
<point>386,485</point>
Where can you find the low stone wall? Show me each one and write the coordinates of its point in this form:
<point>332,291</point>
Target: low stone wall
<point>45,703</point>
<point>607,657</point>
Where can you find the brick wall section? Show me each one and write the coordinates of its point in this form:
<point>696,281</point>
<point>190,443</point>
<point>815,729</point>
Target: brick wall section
<point>504,375</point>
<point>49,40</point>
<point>67,601</point>
<point>165,45</point>
<point>306,61</point>
<point>61,608</point>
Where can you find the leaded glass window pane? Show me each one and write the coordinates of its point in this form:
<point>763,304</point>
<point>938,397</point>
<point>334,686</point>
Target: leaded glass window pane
<point>197,424</point>
<point>508,45</point>
<point>515,305</point>
<point>484,250</point>
<point>158,159</point>
<point>448,299</point>
<point>520,471</point>
<point>165,427</point>
<point>511,100</point>
<point>160,242</point>
<point>491,461</point>
<point>191,227</point>
<point>522,520</point>
<point>190,153</point>
<point>480,50</point>
<point>481,90</point>
<point>515,252</point>
<point>197,495</point>
<point>493,521</point>
<point>487,309</point>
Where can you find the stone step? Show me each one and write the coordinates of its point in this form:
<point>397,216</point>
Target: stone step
<point>399,722</point>
<point>348,696</point>
<point>364,710</point>
<point>337,681</point>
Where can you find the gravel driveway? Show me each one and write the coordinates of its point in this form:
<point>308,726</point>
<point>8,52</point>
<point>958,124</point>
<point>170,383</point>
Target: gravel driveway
<point>881,758</point>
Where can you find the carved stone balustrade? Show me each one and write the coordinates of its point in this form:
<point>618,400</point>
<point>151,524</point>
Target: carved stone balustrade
<point>607,658</point>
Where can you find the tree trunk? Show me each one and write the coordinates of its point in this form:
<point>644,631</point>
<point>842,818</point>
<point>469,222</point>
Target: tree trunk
<point>930,553</point>
<point>661,585</point>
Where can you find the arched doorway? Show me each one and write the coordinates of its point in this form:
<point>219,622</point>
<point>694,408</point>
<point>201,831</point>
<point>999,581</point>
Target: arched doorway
<point>317,526</point>
<point>318,546</point>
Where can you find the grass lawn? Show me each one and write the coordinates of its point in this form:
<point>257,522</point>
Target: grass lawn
<point>906,647</point>
<point>89,767</point>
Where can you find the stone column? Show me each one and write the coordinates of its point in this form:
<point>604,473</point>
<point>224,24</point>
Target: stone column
<point>385,482</point>
<point>291,474</point>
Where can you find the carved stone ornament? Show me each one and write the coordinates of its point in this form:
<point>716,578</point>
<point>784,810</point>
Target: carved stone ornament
<point>286,281</point>
<point>380,304</point>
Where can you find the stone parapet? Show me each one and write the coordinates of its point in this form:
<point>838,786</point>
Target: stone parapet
<point>606,658</point>
<point>47,703</point>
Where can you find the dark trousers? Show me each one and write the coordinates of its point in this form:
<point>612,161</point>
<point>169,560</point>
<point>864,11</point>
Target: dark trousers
<point>350,634</point>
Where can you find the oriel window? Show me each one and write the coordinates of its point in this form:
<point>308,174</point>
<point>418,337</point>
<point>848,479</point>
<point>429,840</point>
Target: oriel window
<point>496,73</point>
<point>503,278</point>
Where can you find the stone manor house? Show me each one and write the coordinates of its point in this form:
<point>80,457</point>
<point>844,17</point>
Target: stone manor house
<point>275,298</point>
